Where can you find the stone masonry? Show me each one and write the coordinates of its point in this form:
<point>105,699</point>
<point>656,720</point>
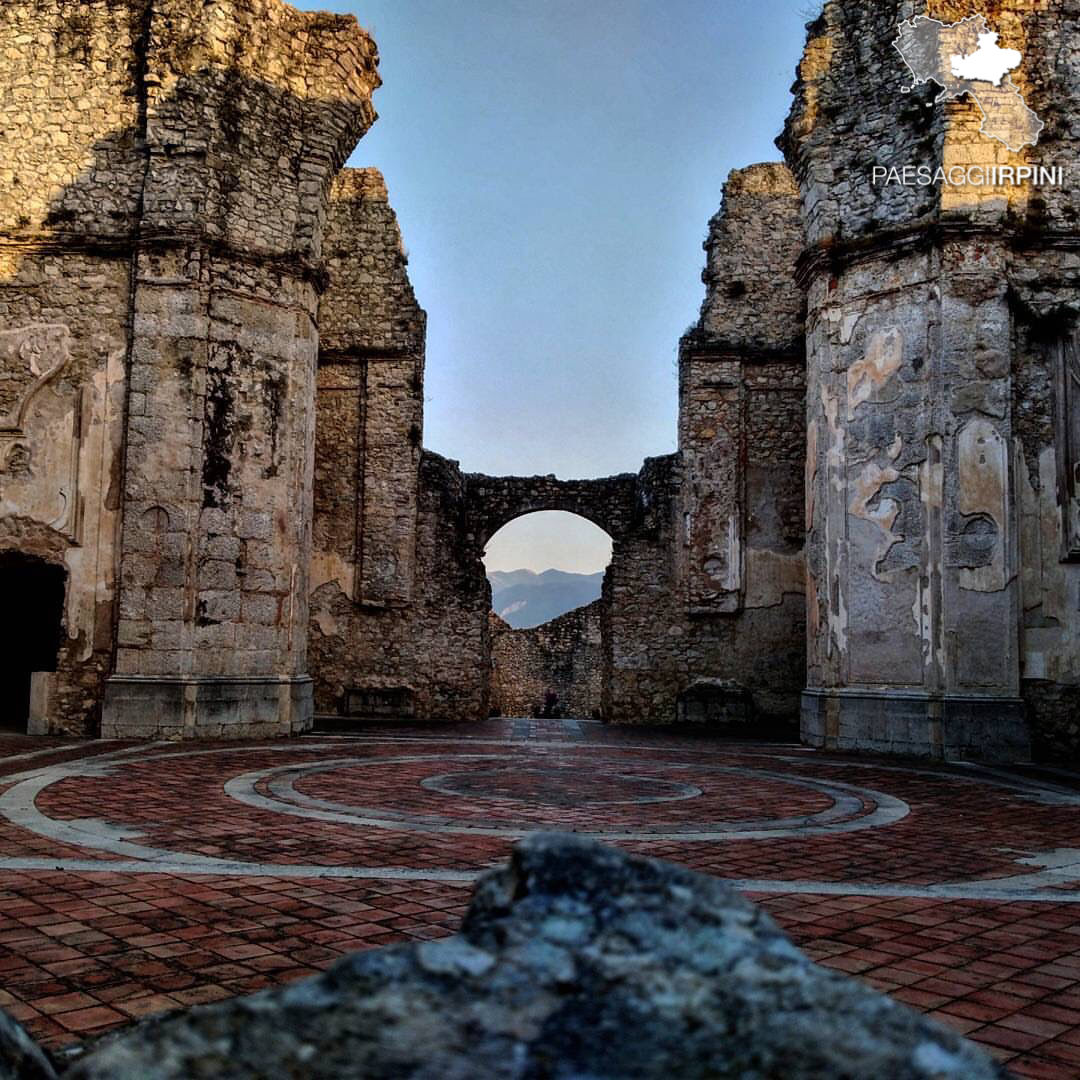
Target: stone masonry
<point>944,587</point>
<point>563,657</point>
<point>166,167</point>
<point>211,411</point>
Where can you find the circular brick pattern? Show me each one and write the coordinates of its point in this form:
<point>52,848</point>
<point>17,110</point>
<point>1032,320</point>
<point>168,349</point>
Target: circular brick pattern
<point>395,793</point>
<point>208,870</point>
<point>555,786</point>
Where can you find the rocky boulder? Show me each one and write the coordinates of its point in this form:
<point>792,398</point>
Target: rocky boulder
<point>20,1057</point>
<point>576,960</point>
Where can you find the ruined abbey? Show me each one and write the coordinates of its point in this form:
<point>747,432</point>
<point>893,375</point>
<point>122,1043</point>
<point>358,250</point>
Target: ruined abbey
<point>217,515</point>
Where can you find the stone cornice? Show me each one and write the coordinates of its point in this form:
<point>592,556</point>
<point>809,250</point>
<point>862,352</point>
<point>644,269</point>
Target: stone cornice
<point>840,255</point>
<point>104,245</point>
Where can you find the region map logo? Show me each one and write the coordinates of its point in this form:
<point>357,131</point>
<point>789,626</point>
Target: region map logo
<point>965,58</point>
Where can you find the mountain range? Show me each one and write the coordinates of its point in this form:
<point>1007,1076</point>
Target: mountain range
<point>524,598</point>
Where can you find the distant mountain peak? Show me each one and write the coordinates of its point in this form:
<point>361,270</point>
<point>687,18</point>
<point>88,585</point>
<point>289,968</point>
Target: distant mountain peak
<point>525,598</point>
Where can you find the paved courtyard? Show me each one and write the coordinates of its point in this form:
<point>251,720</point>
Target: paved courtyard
<point>136,877</point>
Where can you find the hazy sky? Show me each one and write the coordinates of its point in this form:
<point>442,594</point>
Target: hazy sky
<point>547,540</point>
<point>554,164</point>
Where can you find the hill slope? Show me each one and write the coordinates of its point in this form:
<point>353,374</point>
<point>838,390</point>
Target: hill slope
<point>523,598</point>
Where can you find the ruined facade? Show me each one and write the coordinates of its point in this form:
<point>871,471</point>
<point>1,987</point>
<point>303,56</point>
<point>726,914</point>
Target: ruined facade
<point>213,486</point>
<point>398,609</point>
<point>166,169</point>
<point>944,586</point>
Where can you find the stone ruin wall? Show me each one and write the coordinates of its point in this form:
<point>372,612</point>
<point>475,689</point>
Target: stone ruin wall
<point>166,289</point>
<point>64,301</point>
<point>708,577</point>
<point>945,598</point>
<point>742,409</point>
<point>713,587</point>
<point>430,659</point>
<point>207,216</point>
<point>564,657</point>
<point>165,169</point>
<point>398,595</point>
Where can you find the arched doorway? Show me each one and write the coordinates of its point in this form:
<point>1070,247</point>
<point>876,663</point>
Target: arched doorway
<point>32,592</point>
<point>546,571</point>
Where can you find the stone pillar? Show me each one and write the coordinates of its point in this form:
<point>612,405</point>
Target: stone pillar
<point>749,335</point>
<point>249,109</point>
<point>371,324</point>
<point>914,549</point>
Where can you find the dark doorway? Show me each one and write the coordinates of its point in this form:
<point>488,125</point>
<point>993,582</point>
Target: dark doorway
<point>32,602</point>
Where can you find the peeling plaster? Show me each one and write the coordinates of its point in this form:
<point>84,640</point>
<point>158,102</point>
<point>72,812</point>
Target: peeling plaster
<point>811,472</point>
<point>927,616</point>
<point>770,576</point>
<point>1051,651</point>
<point>329,566</point>
<point>982,478</point>
<point>868,484</point>
<point>869,379</point>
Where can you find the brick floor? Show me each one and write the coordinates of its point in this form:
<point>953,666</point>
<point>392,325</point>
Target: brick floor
<point>135,879</point>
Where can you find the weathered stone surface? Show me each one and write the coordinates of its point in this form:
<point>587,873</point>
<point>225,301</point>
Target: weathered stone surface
<point>563,657</point>
<point>166,165</point>
<point>940,481</point>
<point>20,1057</point>
<point>575,961</point>
<point>742,443</point>
<point>211,404</point>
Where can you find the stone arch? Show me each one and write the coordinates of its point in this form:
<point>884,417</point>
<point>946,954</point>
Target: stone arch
<point>494,501</point>
<point>547,635</point>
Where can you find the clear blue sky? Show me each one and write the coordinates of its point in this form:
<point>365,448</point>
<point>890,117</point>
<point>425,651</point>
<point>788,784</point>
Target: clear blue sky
<point>554,164</point>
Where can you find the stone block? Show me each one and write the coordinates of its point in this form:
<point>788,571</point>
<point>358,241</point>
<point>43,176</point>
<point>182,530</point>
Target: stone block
<point>576,960</point>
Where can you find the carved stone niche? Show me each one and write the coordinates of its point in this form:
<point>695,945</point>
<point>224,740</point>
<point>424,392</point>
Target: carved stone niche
<point>29,358</point>
<point>39,430</point>
<point>1068,444</point>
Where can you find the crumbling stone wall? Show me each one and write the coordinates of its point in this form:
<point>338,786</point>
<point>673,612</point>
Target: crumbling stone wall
<point>563,657</point>
<point>68,203</point>
<point>162,195</point>
<point>430,659</point>
<point>936,321</point>
<point>398,596</point>
<point>211,404</point>
<point>1046,410</point>
<point>714,588</point>
<point>734,493</point>
<point>886,369</point>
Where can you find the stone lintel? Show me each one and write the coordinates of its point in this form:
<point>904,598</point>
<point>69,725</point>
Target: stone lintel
<point>949,727</point>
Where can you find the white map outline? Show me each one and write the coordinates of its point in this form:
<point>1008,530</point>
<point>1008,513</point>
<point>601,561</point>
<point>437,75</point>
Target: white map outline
<point>949,94</point>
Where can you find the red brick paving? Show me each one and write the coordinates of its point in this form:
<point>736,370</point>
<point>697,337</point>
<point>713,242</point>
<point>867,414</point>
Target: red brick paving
<point>82,951</point>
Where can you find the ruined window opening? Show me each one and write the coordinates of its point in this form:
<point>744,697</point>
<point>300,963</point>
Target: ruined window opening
<point>547,571</point>
<point>544,565</point>
<point>33,595</point>
<point>1068,445</point>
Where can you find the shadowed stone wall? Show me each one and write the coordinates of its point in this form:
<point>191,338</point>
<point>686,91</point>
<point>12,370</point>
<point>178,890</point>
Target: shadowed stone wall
<point>162,195</point>
<point>211,405</point>
<point>398,604</point>
<point>400,601</point>
<point>564,657</point>
<point>711,586</point>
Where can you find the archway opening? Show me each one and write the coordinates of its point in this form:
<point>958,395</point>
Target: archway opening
<point>33,597</point>
<point>546,571</point>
